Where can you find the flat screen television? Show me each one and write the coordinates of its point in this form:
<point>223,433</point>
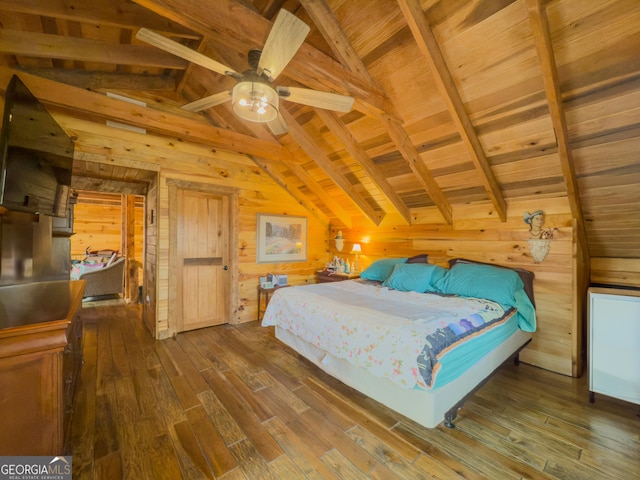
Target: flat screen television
<point>37,156</point>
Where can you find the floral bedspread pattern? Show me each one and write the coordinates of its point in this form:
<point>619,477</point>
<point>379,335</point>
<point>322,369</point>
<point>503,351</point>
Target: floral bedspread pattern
<point>382,330</point>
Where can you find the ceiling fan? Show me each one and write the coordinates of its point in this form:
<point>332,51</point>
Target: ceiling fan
<point>254,97</point>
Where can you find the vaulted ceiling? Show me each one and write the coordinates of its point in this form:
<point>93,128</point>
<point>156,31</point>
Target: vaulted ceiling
<point>456,101</point>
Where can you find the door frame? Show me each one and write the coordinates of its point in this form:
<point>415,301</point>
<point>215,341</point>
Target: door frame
<point>232,193</point>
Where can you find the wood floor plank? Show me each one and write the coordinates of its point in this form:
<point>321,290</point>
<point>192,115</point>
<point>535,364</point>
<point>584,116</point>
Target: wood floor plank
<point>245,418</point>
<point>164,463</point>
<point>259,409</point>
<point>324,382</point>
<point>192,352</point>
<point>341,441</point>
<point>299,452</point>
<point>342,467</point>
<point>283,467</point>
<point>209,441</point>
<point>325,409</point>
<point>250,461</point>
<point>107,467</point>
<point>193,463</point>
<point>288,397</point>
<point>404,448</point>
<point>228,428</point>
<point>208,349</point>
<point>234,357</point>
<point>436,451</point>
<point>186,366</point>
<point>436,469</point>
<point>83,427</point>
<point>384,454</point>
<point>106,438</point>
<point>233,403</point>
<point>254,358</point>
<point>315,440</point>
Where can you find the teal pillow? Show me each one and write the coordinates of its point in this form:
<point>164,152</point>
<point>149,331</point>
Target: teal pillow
<point>481,281</point>
<point>381,269</point>
<point>414,277</point>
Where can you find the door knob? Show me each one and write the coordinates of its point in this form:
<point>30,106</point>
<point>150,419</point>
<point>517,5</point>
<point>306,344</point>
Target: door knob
<point>225,268</point>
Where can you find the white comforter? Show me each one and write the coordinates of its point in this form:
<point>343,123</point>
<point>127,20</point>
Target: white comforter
<point>373,327</point>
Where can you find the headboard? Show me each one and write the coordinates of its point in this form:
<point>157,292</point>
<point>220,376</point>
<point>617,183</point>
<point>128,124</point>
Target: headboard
<point>525,275</point>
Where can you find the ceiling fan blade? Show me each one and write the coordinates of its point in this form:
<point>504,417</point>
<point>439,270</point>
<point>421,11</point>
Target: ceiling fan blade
<point>284,40</point>
<point>208,102</point>
<point>315,98</point>
<point>278,126</point>
<point>163,43</point>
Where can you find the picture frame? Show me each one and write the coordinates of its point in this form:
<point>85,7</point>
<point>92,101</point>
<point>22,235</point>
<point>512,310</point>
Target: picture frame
<point>281,238</point>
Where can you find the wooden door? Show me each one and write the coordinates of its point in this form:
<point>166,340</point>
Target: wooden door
<point>203,259</point>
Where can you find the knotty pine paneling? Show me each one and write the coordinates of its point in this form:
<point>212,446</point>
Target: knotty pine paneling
<point>616,271</point>
<point>178,160</point>
<point>150,264</point>
<point>477,235</point>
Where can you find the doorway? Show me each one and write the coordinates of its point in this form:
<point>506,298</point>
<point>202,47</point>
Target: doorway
<point>201,262</point>
<point>110,222</point>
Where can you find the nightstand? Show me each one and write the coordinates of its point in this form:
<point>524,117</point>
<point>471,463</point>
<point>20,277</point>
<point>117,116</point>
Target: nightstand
<point>325,276</point>
<point>267,295</point>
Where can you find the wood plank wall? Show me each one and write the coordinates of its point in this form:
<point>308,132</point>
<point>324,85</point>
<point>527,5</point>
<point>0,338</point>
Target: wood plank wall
<point>616,271</point>
<point>98,224</point>
<point>150,286</point>
<point>178,160</point>
<point>560,281</point>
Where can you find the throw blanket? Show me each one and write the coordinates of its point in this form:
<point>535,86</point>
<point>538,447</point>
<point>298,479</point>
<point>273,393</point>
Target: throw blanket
<point>393,334</point>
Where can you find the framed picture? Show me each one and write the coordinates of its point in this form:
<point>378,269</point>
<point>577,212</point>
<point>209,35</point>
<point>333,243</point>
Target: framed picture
<point>281,238</point>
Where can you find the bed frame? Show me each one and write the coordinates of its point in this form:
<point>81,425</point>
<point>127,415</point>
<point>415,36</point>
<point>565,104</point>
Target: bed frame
<point>426,407</point>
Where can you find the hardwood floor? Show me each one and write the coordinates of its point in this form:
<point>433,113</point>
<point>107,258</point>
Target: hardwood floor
<point>232,402</point>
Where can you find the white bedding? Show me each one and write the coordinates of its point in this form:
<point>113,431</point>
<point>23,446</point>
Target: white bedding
<point>380,330</point>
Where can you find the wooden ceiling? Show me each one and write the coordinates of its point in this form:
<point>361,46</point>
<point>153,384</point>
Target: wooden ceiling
<point>456,101</point>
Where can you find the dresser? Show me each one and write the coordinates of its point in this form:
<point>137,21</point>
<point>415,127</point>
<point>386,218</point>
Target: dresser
<point>40,360</point>
<point>614,343</point>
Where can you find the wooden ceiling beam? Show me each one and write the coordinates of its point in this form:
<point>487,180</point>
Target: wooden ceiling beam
<point>544,47</point>
<point>98,106</point>
<point>358,153</point>
<point>290,161</point>
<point>305,141</point>
<point>106,80</point>
<point>322,195</point>
<point>43,45</point>
<point>125,15</point>
<point>108,185</point>
<point>428,45</point>
<point>326,22</point>
<point>411,155</point>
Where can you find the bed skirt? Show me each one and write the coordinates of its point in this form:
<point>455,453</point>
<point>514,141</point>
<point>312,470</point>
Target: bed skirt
<point>426,407</point>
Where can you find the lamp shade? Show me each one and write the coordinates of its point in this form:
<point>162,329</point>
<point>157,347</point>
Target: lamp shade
<point>356,248</point>
<point>255,100</point>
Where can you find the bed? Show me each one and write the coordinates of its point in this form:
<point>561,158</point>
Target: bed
<point>416,337</point>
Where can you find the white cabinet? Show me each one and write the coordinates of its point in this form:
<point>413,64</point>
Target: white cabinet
<point>614,343</point>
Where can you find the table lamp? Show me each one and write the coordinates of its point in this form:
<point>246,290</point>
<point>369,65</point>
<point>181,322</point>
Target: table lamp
<point>356,249</point>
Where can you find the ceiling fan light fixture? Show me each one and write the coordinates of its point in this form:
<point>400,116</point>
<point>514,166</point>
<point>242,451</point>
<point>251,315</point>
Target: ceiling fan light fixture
<point>255,100</point>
